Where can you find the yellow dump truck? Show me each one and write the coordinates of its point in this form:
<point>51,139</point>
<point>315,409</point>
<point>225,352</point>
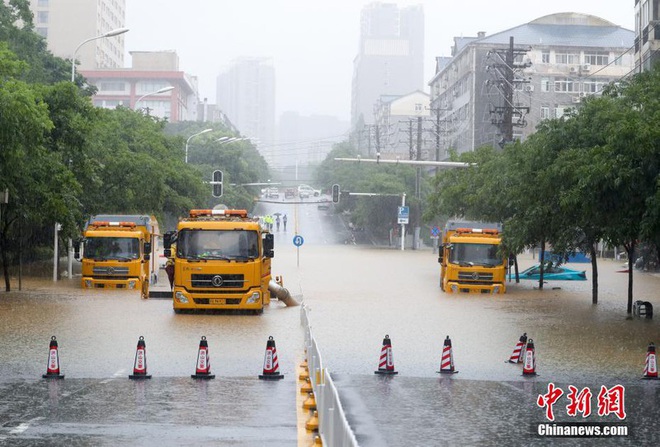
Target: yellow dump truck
<point>221,260</point>
<point>120,252</point>
<point>470,258</point>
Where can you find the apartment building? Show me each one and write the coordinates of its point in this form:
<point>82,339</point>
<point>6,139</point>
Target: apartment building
<point>518,77</point>
<point>65,24</point>
<point>647,34</point>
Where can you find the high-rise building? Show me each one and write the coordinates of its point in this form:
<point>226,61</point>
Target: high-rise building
<point>390,59</point>
<point>647,34</point>
<point>246,94</point>
<point>67,23</point>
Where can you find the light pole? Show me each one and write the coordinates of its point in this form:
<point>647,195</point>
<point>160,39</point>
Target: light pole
<point>191,137</point>
<point>162,90</point>
<point>114,32</point>
<point>221,139</point>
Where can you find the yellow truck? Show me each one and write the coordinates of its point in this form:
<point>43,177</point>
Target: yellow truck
<point>470,258</point>
<point>120,252</point>
<point>221,260</point>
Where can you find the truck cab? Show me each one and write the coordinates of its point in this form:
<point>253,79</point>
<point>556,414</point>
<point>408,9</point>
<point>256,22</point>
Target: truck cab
<point>120,252</point>
<point>470,258</point>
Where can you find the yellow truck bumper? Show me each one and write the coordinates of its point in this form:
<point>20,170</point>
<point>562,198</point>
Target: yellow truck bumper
<point>455,287</point>
<point>185,300</point>
<point>96,283</point>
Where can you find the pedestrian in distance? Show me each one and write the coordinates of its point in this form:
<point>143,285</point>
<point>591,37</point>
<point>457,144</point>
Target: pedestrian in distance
<point>277,222</point>
<point>284,221</point>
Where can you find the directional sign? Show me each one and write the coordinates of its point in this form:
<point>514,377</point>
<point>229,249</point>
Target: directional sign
<point>435,231</point>
<point>298,240</point>
<point>403,215</point>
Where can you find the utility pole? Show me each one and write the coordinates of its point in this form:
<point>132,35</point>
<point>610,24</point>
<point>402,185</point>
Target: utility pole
<point>507,74</point>
<point>418,208</point>
<point>437,132</point>
<point>411,147</point>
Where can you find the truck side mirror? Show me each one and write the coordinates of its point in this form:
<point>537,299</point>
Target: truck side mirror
<point>441,253</point>
<point>269,245</point>
<point>168,239</point>
<point>147,251</point>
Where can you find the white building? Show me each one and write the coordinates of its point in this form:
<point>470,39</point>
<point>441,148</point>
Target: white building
<point>401,122</point>
<point>647,34</point>
<point>556,61</point>
<point>67,23</point>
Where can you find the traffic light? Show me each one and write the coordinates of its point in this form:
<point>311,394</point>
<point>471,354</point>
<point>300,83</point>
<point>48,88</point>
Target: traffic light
<point>217,183</point>
<point>335,193</point>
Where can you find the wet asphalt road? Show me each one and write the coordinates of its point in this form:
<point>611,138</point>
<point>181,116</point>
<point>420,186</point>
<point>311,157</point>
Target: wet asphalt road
<point>356,295</point>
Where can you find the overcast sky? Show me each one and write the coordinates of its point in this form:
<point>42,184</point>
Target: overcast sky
<point>313,43</point>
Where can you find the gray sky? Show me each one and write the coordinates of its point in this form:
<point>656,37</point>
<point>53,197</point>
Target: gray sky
<point>313,43</point>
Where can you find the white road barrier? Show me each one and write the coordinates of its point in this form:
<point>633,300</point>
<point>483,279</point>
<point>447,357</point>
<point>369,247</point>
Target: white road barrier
<point>333,426</point>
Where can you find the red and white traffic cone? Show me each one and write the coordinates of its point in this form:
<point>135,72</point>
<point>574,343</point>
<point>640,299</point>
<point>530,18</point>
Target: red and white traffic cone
<point>447,360</point>
<point>271,365</point>
<point>203,368</point>
<point>651,366</point>
<point>53,364</point>
<point>140,365</point>
<point>529,365</point>
<point>386,362</point>
<point>519,350</point>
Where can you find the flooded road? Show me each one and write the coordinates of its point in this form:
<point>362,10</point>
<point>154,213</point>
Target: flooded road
<point>356,294</point>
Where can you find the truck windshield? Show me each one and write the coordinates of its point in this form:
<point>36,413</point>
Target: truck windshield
<point>122,248</point>
<point>217,244</point>
<point>475,254</point>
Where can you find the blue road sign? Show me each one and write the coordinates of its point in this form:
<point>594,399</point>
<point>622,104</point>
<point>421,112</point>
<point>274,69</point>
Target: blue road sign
<point>435,231</point>
<point>298,240</point>
<point>403,214</point>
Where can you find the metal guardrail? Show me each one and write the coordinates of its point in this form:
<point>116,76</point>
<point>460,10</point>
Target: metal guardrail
<point>334,429</point>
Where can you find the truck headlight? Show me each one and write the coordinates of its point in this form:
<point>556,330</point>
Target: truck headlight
<point>254,298</point>
<point>88,283</point>
<point>454,288</point>
<point>496,289</point>
<point>180,297</point>
<point>131,284</point>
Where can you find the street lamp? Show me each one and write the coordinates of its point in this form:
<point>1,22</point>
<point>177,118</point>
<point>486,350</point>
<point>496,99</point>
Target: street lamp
<point>114,32</point>
<point>221,139</point>
<point>162,90</point>
<point>191,137</point>
<point>233,140</point>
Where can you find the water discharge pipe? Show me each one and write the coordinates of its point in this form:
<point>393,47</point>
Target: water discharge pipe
<point>282,294</point>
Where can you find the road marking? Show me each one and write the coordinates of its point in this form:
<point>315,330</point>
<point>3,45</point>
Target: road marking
<point>119,373</point>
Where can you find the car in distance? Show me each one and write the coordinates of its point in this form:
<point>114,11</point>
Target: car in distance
<point>308,191</point>
<point>273,193</point>
<point>289,193</point>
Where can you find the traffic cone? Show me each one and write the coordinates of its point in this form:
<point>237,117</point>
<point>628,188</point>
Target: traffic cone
<point>140,365</point>
<point>203,368</point>
<point>529,365</point>
<point>651,366</point>
<point>306,387</point>
<point>271,366</point>
<point>386,362</point>
<point>447,360</point>
<point>53,363</point>
<point>519,350</point>
<point>312,423</point>
<point>310,402</point>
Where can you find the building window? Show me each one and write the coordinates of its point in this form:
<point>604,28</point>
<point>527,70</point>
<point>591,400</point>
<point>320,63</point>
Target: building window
<point>42,16</point>
<point>545,113</point>
<point>545,57</point>
<point>564,85</point>
<point>42,3</point>
<point>150,86</point>
<point>42,31</point>
<point>597,58</point>
<point>567,58</point>
<point>593,86</point>
<point>116,86</point>
<point>559,112</point>
<point>545,85</point>
<point>418,107</point>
